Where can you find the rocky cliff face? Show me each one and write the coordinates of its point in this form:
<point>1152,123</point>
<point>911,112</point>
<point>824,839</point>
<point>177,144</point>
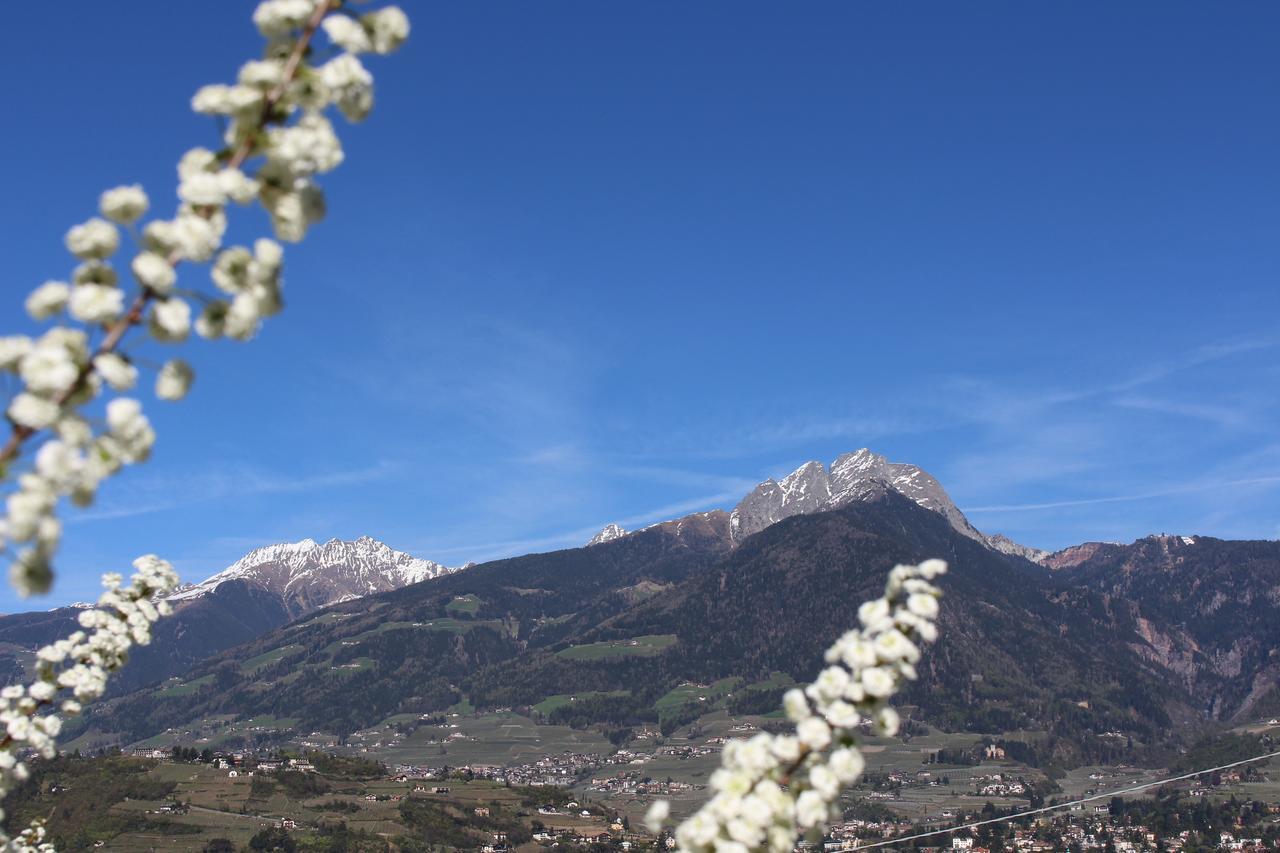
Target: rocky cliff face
<point>1203,609</point>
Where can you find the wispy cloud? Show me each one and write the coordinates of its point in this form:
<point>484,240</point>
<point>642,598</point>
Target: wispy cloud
<point>1185,489</point>
<point>484,551</point>
<point>157,494</point>
<point>1238,415</point>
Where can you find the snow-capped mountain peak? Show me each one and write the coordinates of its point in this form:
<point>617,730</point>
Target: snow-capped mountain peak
<point>813,487</point>
<point>607,534</point>
<point>309,574</point>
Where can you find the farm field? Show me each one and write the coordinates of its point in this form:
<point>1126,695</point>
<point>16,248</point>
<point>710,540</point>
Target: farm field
<point>214,804</point>
<point>497,739</point>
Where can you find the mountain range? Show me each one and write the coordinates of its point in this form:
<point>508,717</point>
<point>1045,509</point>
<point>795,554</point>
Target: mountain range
<point>813,487</point>
<point>267,588</point>
<point>1114,652</point>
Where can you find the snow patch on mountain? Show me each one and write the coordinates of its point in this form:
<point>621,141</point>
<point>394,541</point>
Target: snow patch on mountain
<point>607,534</point>
<point>308,574</point>
<point>853,477</point>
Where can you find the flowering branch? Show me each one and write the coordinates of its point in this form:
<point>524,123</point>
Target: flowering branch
<point>275,117</point>
<point>78,665</point>
<point>770,789</point>
<point>116,331</point>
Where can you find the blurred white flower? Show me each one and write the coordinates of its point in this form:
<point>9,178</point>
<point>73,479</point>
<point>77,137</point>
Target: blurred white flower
<point>174,380</point>
<point>751,810</point>
<point>124,205</point>
<point>388,28</point>
<point>347,34</point>
<point>280,17</point>
<point>48,299</point>
<point>48,368</point>
<point>33,412</point>
<point>118,373</point>
<point>12,349</point>
<point>96,238</point>
<point>154,272</point>
<point>171,320</point>
<point>96,303</point>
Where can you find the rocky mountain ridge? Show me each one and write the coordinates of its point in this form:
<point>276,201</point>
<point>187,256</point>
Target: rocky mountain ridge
<point>852,477</point>
<point>306,575</point>
<point>263,590</point>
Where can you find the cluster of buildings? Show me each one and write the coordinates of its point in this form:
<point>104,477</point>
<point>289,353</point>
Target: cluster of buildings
<point>996,785</point>
<point>561,770</point>
<point>633,782</point>
<point>236,763</point>
<point>1094,830</point>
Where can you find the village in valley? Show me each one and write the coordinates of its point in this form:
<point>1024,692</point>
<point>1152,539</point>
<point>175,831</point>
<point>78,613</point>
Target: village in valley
<point>544,796</point>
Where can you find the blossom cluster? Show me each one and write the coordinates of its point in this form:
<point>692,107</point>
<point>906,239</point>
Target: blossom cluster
<point>73,671</point>
<point>770,789</point>
<point>276,140</point>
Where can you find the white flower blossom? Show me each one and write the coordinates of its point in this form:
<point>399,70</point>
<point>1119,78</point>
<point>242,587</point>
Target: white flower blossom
<point>33,412</point>
<point>49,368</point>
<point>174,380</point>
<point>275,142</point>
<point>154,272</point>
<point>217,99</point>
<point>202,189</point>
<point>195,161</point>
<point>171,320</point>
<point>388,28</point>
<point>96,238</point>
<point>12,349</point>
<point>195,238</point>
<point>351,84</point>
<point>657,815</point>
<point>280,17</point>
<point>307,147</point>
<point>923,605</point>
<point>347,34</point>
<point>751,810</point>
<point>95,272</point>
<point>814,733</point>
<point>58,461</point>
<point>124,205</point>
<point>261,74</point>
<point>237,186</point>
<point>118,373</point>
<point>96,303</point>
<point>48,299</point>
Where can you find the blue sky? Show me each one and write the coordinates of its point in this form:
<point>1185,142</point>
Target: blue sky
<point>592,262</point>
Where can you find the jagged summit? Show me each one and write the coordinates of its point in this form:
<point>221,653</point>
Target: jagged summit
<point>308,574</point>
<point>852,477</point>
<point>1006,545</point>
<point>607,534</point>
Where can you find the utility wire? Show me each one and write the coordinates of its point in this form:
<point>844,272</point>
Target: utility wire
<point>1067,805</point>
